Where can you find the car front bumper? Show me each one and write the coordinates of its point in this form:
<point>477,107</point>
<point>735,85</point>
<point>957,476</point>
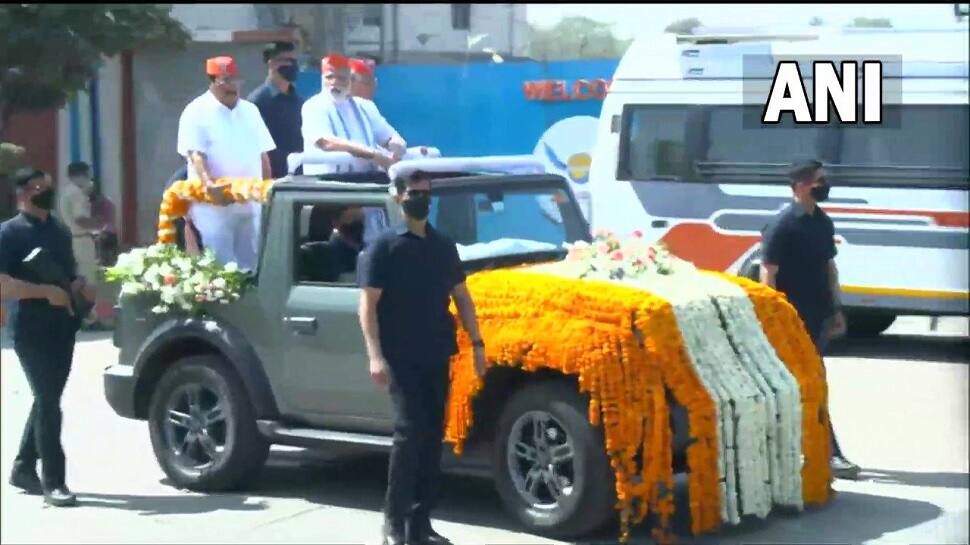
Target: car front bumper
<point>119,389</point>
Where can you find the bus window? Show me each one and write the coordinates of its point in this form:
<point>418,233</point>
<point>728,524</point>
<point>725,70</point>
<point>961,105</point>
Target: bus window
<point>932,137</point>
<point>923,145</point>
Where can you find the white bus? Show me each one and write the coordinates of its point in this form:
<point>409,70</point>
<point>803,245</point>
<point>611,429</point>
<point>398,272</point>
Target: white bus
<point>682,156</point>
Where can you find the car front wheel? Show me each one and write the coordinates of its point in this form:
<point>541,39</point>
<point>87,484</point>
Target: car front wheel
<point>202,426</point>
<point>552,471</point>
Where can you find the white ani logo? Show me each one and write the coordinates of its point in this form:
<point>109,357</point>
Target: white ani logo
<point>788,93</point>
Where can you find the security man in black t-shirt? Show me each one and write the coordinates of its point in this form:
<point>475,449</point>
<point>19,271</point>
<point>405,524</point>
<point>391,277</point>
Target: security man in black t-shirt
<point>407,278</point>
<point>44,329</point>
<point>799,260</point>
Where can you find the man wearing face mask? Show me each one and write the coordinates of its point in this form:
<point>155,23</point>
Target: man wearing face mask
<point>223,136</point>
<point>335,260</point>
<point>333,120</point>
<point>799,260</point>
<point>44,330</point>
<point>280,104</point>
<point>74,209</point>
<point>408,277</point>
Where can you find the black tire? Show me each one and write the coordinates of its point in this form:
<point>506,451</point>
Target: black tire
<point>589,505</point>
<point>864,324</point>
<point>751,268</point>
<point>244,451</point>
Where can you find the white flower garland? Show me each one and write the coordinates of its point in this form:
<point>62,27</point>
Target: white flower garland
<point>757,400</point>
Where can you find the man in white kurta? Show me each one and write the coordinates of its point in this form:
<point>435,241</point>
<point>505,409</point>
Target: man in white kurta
<point>334,120</point>
<point>223,136</point>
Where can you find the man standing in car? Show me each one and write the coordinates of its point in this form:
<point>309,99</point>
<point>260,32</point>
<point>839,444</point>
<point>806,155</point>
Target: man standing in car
<point>407,277</point>
<point>279,104</point>
<point>799,260</point>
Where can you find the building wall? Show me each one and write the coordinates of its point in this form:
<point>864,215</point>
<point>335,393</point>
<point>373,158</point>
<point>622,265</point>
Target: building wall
<point>503,27</point>
<point>219,17</point>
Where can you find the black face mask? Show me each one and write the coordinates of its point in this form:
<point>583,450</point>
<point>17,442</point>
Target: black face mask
<point>43,200</point>
<point>821,192</point>
<point>417,206</point>
<point>353,231</point>
<point>288,72</point>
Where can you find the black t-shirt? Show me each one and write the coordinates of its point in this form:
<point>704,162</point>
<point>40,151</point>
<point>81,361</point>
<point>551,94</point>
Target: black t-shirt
<point>326,261</point>
<point>416,276</point>
<point>282,114</point>
<point>19,236</point>
<point>801,244</point>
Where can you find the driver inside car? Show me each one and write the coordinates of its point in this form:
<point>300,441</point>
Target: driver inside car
<point>335,260</point>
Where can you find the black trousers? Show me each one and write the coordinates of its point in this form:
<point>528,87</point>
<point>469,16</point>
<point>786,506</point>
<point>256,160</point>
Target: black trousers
<point>419,391</point>
<point>46,361</point>
<point>817,330</point>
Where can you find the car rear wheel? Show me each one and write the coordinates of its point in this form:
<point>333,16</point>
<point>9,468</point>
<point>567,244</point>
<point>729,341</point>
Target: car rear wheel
<point>552,471</point>
<point>202,426</point>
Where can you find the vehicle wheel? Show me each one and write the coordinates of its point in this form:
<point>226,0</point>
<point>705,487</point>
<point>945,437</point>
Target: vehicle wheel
<point>751,268</point>
<point>202,426</point>
<point>868,323</point>
<point>552,471</point>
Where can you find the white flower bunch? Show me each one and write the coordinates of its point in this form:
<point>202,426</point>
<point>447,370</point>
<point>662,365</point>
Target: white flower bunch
<point>610,257</point>
<point>179,281</point>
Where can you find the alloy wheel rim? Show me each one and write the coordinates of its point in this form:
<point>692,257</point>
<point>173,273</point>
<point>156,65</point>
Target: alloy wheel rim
<point>196,426</point>
<point>540,456</point>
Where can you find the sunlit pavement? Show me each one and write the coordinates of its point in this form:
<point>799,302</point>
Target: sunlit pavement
<point>899,403</point>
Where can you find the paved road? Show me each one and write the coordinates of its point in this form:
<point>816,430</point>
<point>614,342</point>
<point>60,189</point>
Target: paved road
<point>899,403</point>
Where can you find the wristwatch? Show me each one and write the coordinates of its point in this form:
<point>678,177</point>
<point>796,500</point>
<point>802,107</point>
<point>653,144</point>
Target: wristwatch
<point>479,343</point>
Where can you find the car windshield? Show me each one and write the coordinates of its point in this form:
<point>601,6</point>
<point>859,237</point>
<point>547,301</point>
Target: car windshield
<point>487,223</point>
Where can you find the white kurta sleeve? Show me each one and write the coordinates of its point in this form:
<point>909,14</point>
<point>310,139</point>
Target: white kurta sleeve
<point>383,131</point>
<point>191,135</point>
<point>314,125</point>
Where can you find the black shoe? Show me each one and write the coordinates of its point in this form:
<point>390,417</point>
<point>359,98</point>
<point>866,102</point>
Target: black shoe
<point>393,533</point>
<point>60,496</point>
<point>844,469</point>
<point>26,480</point>
<point>425,535</point>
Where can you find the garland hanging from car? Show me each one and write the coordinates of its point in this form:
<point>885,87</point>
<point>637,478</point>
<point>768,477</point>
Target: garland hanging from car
<point>180,195</point>
<point>732,352</point>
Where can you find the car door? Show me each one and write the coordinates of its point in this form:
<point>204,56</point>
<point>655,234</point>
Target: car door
<point>326,361</point>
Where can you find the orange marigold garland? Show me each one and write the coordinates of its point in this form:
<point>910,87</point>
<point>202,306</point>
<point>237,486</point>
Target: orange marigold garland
<point>180,195</point>
<point>624,345</point>
<point>623,372</point>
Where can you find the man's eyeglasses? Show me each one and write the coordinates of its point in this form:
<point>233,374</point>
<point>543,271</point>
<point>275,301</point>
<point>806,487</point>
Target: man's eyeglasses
<point>418,193</point>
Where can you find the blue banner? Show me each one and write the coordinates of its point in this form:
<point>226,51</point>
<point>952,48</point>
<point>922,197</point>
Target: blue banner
<point>481,108</point>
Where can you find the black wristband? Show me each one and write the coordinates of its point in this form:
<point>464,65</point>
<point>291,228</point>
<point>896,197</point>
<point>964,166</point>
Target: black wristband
<point>479,343</point>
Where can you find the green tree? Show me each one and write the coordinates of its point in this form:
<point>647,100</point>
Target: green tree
<point>48,52</point>
<point>871,22</point>
<point>683,26</point>
<point>576,38</point>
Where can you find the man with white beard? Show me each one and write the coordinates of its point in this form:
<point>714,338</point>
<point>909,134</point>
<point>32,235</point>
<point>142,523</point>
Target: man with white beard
<point>334,120</point>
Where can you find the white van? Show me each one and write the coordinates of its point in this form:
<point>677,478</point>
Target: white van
<point>682,156</point>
